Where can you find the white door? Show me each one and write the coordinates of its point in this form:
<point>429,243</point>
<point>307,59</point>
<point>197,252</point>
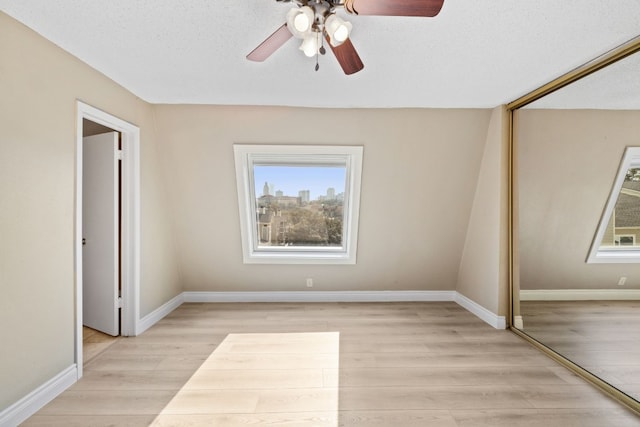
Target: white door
<point>100,233</point>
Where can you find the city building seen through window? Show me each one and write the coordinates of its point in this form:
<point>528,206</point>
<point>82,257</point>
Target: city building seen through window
<point>294,210</point>
<point>298,204</point>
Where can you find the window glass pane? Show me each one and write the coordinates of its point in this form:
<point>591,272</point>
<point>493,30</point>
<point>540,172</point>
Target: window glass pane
<point>623,229</point>
<point>299,206</point>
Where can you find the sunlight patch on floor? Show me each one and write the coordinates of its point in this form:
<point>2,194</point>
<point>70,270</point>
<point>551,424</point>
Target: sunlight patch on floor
<point>271,378</point>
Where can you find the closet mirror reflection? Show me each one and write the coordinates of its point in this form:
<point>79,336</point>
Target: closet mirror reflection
<point>568,148</point>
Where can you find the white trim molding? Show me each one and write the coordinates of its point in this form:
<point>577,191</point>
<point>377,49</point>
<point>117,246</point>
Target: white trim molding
<point>518,322</point>
<point>320,296</point>
<point>249,157</point>
<point>156,315</point>
<point>130,211</point>
<point>31,403</point>
<point>615,254</point>
<point>498,322</point>
<point>579,294</point>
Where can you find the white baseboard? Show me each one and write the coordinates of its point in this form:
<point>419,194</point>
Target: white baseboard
<point>31,403</point>
<point>518,322</point>
<point>320,296</point>
<point>152,318</point>
<point>498,322</point>
<point>492,319</point>
<point>579,294</point>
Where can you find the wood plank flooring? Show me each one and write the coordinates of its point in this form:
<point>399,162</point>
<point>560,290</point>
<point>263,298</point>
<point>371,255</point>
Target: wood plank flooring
<point>94,342</point>
<point>601,336</point>
<point>328,364</point>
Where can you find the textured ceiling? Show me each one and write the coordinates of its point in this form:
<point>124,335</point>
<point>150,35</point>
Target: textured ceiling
<point>475,53</point>
<point>616,87</point>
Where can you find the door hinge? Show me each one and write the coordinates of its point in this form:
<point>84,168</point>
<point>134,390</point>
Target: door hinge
<point>119,302</point>
<point>119,155</point>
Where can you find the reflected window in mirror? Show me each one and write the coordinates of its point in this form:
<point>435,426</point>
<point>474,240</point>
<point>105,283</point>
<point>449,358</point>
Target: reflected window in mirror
<point>575,182</point>
<point>618,236</point>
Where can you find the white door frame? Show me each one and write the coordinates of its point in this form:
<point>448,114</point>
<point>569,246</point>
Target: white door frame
<point>130,208</point>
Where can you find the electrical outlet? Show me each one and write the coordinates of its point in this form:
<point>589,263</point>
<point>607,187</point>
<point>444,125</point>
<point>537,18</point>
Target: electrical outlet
<point>622,281</point>
<point>309,283</point>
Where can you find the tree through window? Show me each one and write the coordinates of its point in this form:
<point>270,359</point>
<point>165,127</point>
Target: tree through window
<point>298,203</point>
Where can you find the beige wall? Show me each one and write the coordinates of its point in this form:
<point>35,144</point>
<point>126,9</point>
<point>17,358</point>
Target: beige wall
<point>483,269</point>
<point>567,163</point>
<point>39,85</point>
<point>419,177</point>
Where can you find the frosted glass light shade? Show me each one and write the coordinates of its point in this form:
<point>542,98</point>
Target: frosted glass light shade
<point>310,45</point>
<point>337,29</point>
<point>300,20</point>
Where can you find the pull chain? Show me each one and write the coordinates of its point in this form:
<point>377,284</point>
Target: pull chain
<point>317,53</point>
<point>320,51</point>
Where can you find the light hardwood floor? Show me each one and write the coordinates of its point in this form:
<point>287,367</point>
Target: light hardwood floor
<point>328,364</point>
<point>94,342</point>
<point>601,336</point>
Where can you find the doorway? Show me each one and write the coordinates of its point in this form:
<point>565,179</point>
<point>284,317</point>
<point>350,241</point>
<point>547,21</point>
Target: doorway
<point>101,235</point>
<point>101,228</point>
<point>116,304</point>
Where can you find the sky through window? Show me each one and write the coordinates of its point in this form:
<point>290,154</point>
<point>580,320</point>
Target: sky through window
<point>292,179</point>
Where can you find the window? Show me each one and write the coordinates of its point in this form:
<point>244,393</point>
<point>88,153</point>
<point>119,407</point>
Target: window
<point>298,204</point>
<point>615,239</point>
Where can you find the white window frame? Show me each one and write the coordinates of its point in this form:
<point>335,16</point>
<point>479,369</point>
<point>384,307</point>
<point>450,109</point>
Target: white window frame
<point>350,157</point>
<point>615,254</point>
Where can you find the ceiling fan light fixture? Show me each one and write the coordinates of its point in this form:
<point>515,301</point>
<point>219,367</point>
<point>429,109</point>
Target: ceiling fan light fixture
<point>310,45</point>
<point>337,29</point>
<point>300,20</point>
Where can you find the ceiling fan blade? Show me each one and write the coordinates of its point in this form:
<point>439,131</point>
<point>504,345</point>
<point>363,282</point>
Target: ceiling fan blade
<point>271,44</point>
<point>425,8</point>
<point>347,56</point>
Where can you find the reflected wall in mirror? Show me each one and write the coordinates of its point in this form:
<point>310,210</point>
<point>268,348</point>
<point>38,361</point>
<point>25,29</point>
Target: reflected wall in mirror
<point>568,148</point>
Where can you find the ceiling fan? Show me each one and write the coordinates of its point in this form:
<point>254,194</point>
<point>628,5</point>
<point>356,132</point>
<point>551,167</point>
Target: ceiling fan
<point>315,21</point>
